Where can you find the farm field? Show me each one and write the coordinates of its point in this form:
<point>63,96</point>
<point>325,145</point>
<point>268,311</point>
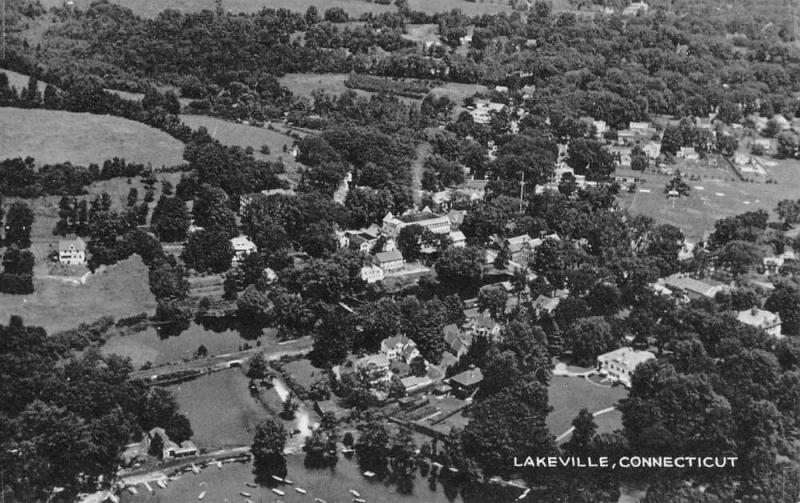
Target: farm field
<point>20,81</point>
<point>58,305</point>
<point>220,408</point>
<point>711,199</point>
<point>355,8</point>
<point>568,395</point>
<point>52,136</point>
<point>231,133</point>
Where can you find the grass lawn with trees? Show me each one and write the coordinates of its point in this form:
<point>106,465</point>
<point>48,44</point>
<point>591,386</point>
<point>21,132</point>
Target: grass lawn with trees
<point>52,136</point>
<point>121,290</point>
<point>568,395</point>
<point>220,408</point>
<point>231,133</point>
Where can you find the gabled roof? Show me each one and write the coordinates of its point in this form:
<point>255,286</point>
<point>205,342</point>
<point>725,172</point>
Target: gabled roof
<point>469,377</point>
<point>78,243</point>
<point>390,256</point>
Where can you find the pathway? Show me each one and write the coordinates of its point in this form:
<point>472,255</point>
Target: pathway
<point>294,443</point>
<point>572,428</point>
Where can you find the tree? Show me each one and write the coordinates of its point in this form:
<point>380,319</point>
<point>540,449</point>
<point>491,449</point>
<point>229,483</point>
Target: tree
<point>268,445</point>
<point>170,220</point>
<point>411,239</point>
<point>418,367</point>
<point>321,448</point>
<point>257,367</point>
<point>788,211</point>
<point>212,211</point>
<point>336,15</point>
<point>156,448</point>
<point>582,434</point>
<point>372,447</point>
<point>788,144</point>
<point>19,222</point>
<point>727,144</point>
<point>459,268</point>
<point>589,158</point>
<point>312,16</point>
<point>254,306</point>
<point>738,257</point>
<point>588,338</point>
<point>505,424</point>
<point>167,280</point>
<point>678,186</point>
<point>208,250</point>
<point>493,298</point>
<point>785,300</point>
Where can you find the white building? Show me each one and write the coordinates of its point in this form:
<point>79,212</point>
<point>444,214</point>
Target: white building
<point>438,224</point>
<point>72,252</point>
<point>759,318</point>
<point>618,365</point>
<point>390,261</point>
<point>242,247</point>
<point>635,8</point>
<point>372,273</point>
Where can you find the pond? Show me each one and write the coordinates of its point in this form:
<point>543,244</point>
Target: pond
<point>158,346</point>
<point>226,484</point>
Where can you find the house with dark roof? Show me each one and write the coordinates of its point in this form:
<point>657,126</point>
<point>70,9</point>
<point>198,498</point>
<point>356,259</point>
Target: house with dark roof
<point>390,261</point>
<point>467,382</point>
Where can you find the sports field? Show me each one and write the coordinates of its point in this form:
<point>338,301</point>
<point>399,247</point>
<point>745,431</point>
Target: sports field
<point>52,136</point>
<point>712,199</point>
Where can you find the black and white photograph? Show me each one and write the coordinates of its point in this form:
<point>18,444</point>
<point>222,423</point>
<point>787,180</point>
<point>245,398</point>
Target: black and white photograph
<point>399,251</point>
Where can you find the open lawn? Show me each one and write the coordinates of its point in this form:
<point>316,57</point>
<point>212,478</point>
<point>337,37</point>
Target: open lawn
<point>52,136</point>
<point>712,199</point>
<point>220,408</point>
<point>568,395</point>
<point>303,84</point>
<point>20,81</point>
<point>231,133</point>
<point>120,290</point>
<point>355,8</point>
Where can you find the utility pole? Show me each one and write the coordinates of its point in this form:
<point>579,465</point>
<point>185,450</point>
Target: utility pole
<point>521,192</point>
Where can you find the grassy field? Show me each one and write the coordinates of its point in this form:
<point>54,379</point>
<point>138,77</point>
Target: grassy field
<point>231,133</point>
<point>121,290</point>
<point>148,346</point>
<point>220,409</point>
<point>568,395</point>
<point>55,136</point>
<point>20,81</point>
<point>151,8</point>
<point>712,199</point>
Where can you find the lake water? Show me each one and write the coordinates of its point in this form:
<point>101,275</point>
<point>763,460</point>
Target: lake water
<point>157,346</point>
<point>225,486</point>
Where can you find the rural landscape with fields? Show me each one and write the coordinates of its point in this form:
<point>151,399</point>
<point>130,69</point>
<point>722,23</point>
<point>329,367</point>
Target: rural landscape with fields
<point>399,251</point>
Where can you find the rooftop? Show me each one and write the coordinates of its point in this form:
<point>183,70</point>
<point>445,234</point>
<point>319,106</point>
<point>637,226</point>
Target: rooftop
<point>758,317</point>
<point>78,243</point>
<point>390,256</point>
<point>469,377</point>
<point>627,357</point>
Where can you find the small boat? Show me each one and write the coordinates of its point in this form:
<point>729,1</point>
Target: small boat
<point>248,501</point>
<point>287,481</point>
<point>202,495</point>
<point>319,500</point>
<point>369,474</point>
<point>301,491</point>
<point>132,490</point>
<point>148,486</point>
<point>219,464</point>
<point>359,500</point>
<point>245,494</point>
<point>278,492</point>
<point>195,469</point>
<point>161,483</point>
<point>277,478</point>
<point>251,484</point>
<point>203,483</point>
<point>347,451</point>
<point>522,496</point>
<point>355,493</point>
<point>113,498</point>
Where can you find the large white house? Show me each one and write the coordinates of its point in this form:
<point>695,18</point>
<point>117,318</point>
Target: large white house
<point>372,273</point>
<point>439,224</point>
<point>242,247</point>
<point>72,252</point>
<point>618,365</point>
<point>768,321</point>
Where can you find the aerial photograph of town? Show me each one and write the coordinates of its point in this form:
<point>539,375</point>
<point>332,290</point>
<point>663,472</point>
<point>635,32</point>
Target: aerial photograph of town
<point>399,251</point>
